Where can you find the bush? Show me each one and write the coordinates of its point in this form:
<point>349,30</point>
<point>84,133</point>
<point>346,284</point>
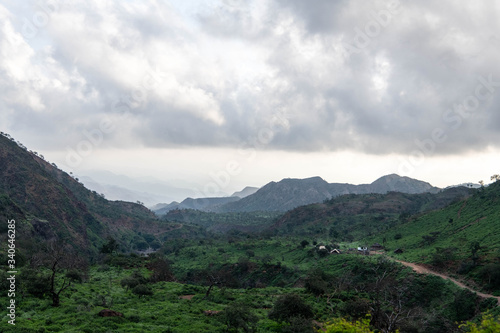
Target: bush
<point>74,275</point>
<point>290,306</point>
<point>142,290</point>
<point>316,283</point>
<point>239,315</point>
<point>341,325</point>
<point>298,325</point>
<point>129,282</point>
<point>488,325</point>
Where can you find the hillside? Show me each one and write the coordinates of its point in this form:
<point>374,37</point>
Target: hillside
<point>49,204</point>
<point>290,193</point>
<point>203,204</point>
<point>461,238</point>
<point>351,217</point>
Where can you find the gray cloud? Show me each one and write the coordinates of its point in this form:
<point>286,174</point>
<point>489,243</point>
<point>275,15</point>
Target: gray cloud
<point>228,71</point>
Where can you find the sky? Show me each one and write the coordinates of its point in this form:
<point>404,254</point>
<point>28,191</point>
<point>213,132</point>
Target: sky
<point>218,95</point>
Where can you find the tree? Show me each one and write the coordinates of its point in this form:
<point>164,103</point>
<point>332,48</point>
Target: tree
<point>239,316</point>
<point>161,271</point>
<point>110,247</point>
<point>290,306</point>
<point>129,282</point>
<point>316,282</point>
<point>488,325</point>
<point>495,177</point>
<point>304,243</point>
<point>142,290</point>
<point>474,248</point>
<point>58,258</point>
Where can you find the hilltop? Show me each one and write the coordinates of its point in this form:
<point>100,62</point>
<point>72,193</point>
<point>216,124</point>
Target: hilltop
<point>290,193</point>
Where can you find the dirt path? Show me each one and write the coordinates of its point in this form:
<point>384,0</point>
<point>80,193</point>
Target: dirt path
<point>424,270</point>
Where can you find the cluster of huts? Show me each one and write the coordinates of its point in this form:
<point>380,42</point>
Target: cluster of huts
<point>360,249</point>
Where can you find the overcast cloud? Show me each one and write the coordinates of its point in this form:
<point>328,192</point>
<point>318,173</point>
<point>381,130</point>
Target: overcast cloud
<point>364,76</point>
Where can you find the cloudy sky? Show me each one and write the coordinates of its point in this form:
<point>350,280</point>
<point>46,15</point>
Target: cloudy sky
<point>236,93</point>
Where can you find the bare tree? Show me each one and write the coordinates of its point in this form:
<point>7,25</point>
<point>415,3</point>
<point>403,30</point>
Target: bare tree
<point>59,258</point>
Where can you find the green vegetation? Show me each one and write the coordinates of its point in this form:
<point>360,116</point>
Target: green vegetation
<point>463,238</point>
<point>275,289</point>
<point>80,264</point>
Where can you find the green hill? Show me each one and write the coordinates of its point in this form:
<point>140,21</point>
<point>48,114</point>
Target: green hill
<point>353,217</point>
<point>462,238</point>
<point>49,204</point>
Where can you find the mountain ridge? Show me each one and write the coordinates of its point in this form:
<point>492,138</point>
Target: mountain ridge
<point>290,193</point>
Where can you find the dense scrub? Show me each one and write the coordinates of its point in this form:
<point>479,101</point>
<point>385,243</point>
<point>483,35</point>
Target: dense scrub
<point>243,284</point>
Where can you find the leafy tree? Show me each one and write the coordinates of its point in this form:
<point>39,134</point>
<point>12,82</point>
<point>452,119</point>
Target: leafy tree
<point>142,290</point>
<point>161,271</point>
<point>110,247</point>
<point>290,306</point>
<point>298,325</point>
<point>474,248</point>
<point>34,282</point>
<point>488,325</point>
<point>238,316</point>
<point>304,243</point>
<point>317,282</point>
<point>129,282</point>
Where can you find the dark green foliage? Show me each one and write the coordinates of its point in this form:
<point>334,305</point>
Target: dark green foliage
<point>111,245</point>
<point>317,282</point>
<point>161,271</point>
<point>129,283</point>
<point>74,275</point>
<point>298,325</point>
<point>290,306</point>
<point>490,275</point>
<point>35,283</point>
<point>238,317</point>
<point>442,256</point>
<point>463,306</point>
<point>142,290</point>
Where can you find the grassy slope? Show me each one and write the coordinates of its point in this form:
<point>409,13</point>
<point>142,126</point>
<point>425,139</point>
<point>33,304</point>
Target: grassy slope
<point>165,311</point>
<point>476,219</point>
<point>354,217</point>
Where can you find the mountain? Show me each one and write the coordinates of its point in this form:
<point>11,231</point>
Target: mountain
<point>203,204</point>
<point>290,193</point>
<point>49,204</point>
<point>249,190</point>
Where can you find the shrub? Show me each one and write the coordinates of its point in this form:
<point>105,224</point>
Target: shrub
<point>142,290</point>
<point>239,315</point>
<point>341,325</point>
<point>488,325</point>
<point>290,306</point>
<point>129,282</point>
<point>74,275</point>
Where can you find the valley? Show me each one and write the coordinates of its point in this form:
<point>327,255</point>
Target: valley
<point>88,264</point>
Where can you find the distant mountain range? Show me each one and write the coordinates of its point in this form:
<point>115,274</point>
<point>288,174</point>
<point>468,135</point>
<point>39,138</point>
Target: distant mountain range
<point>290,193</point>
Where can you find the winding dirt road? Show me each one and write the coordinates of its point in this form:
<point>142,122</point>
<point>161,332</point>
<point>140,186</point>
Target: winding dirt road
<point>424,270</point>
